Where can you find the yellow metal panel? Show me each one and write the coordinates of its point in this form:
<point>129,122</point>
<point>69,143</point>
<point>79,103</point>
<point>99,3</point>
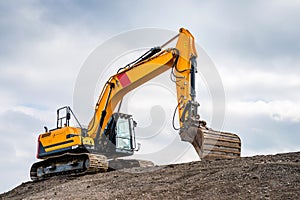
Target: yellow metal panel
<point>76,141</point>
<point>53,138</point>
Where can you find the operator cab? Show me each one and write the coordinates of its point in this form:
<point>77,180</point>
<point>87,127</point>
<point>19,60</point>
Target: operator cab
<point>118,138</point>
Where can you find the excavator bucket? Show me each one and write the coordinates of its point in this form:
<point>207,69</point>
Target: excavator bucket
<point>217,145</point>
<point>211,144</point>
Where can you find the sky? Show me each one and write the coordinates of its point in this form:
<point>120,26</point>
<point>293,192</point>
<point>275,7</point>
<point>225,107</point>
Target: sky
<point>254,46</point>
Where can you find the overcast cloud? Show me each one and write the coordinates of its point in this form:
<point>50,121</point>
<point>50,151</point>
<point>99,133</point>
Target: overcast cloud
<point>255,46</point>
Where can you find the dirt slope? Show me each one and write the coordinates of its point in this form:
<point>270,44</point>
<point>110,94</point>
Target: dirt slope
<point>259,177</point>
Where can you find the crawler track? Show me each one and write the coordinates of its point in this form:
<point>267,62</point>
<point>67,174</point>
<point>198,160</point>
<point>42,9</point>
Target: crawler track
<point>80,164</point>
<point>83,163</point>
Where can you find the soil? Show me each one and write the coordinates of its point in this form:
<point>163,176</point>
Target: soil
<point>258,177</point>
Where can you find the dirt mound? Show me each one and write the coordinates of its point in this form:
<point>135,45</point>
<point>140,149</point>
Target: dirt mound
<point>266,177</point>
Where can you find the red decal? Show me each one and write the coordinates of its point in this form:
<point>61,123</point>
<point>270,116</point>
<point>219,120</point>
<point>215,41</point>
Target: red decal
<point>124,80</point>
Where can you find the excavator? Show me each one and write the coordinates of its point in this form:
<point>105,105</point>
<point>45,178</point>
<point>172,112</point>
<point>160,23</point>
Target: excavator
<point>110,136</point>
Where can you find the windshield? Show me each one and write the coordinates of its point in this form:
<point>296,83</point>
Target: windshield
<point>123,130</point>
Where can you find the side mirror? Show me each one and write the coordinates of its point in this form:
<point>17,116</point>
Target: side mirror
<point>68,116</point>
<point>138,147</point>
<point>134,123</point>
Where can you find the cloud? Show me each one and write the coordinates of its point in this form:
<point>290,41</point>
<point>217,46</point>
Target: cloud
<point>285,111</point>
<point>254,84</point>
<point>253,30</point>
<point>265,127</point>
<point>18,145</point>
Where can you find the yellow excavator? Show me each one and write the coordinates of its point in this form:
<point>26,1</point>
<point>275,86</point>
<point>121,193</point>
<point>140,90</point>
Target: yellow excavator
<point>110,135</point>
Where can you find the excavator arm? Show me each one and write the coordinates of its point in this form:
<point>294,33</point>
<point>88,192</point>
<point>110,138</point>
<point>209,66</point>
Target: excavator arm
<point>181,60</point>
